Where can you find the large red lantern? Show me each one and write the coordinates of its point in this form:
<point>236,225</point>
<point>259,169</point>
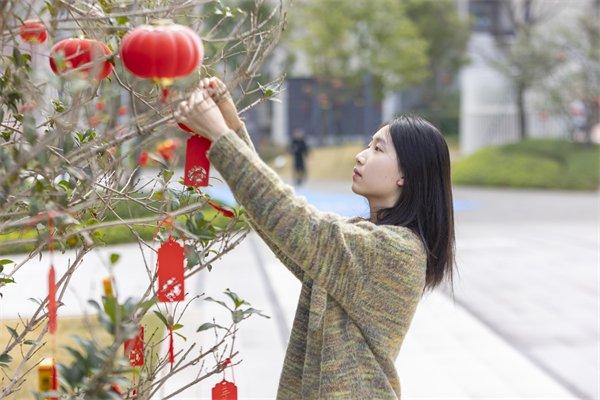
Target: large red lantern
<point>85,55</point>
<point>33,31</point>
<point>162,51</point>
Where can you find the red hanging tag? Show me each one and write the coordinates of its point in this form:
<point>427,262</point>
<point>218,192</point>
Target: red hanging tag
<point>134,348</point>
<point>170,272</point>
<point>52,300</point>
<point>171,347</point>
<point>224,390</point>
<point>197,165</point>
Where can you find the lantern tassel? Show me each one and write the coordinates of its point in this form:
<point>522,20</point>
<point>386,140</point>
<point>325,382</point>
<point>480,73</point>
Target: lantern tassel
<point>171,347</point>
<point>52,300</point>
<point>164,93</point>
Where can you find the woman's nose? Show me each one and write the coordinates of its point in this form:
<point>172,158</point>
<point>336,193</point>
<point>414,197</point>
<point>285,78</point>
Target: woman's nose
<point>359,158</point>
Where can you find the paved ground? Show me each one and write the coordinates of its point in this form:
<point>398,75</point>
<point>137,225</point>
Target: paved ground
<point>524,325</point>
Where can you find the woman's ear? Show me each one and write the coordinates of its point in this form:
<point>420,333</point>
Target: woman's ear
<point>400,181</point>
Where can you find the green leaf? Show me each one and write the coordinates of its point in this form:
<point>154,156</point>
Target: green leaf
<point>114,258</point>
<point>255,311</point>
<point>13,332</point>
<point>167,175</point>
<point>218,301</point>
<point>162,318</point>
<point>176,326</point>
<point>7,280</point>
<point>58,105</point>
<point>209,325</point>
<point>5,358</point>
<point>191,256</point>
<point>6,261</point>
<point>237,316</point>
<point>180,335</point>
<point>122,20</point>
<point>236,299</point>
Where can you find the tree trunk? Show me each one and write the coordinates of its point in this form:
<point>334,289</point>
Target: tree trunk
<point>521,112</point>
<point>593,118</point>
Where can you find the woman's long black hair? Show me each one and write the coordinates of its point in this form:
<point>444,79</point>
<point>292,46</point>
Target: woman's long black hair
<point>425,203</point>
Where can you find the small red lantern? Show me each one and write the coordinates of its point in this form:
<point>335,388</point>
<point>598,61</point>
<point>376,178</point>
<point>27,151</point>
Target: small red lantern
<point>162,51</point>
<point>85,55</point>
<point>33,31</point>
<point>122,110</point>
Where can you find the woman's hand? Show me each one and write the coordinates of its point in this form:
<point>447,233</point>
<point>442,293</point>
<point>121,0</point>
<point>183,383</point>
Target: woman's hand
<point>200,113</point>
<point>219,93</point>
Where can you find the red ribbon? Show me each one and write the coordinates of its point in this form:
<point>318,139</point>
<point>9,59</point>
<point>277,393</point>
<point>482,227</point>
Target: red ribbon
<point>223,211</point>
<point>171,347</point>
<point>52,300</point>
<point>52,323</point>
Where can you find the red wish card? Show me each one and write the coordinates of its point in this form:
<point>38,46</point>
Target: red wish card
<point>197,166</point>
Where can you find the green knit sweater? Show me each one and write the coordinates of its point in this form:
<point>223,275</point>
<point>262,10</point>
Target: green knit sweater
<point>361,282</point>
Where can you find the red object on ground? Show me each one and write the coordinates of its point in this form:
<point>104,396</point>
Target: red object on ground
<point>85,55</point>
<point>170,271</point>
<point>134,348</point>
<point>33,31</point>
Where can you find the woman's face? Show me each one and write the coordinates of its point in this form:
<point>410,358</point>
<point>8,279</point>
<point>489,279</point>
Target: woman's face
<point>379,170</point>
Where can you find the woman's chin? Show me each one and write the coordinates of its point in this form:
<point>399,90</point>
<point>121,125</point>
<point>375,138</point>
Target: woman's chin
<point>354,188</point>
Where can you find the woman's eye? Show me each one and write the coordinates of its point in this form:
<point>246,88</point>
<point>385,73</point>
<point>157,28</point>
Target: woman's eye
<point>377,148</point>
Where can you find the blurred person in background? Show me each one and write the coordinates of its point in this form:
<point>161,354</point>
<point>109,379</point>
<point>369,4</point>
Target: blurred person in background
<point>299,150</point>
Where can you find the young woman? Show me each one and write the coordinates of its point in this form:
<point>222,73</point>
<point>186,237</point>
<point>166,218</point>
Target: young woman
<point>361,279</point>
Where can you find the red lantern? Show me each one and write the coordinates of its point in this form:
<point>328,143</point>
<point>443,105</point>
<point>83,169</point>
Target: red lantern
<point>85,55</point>
<point>33,31</point>
<point>122,110</point>
<point>162,51</point>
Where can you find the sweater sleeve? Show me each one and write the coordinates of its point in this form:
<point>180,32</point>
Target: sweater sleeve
<point>341,257</point>
<point>242,132</point>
